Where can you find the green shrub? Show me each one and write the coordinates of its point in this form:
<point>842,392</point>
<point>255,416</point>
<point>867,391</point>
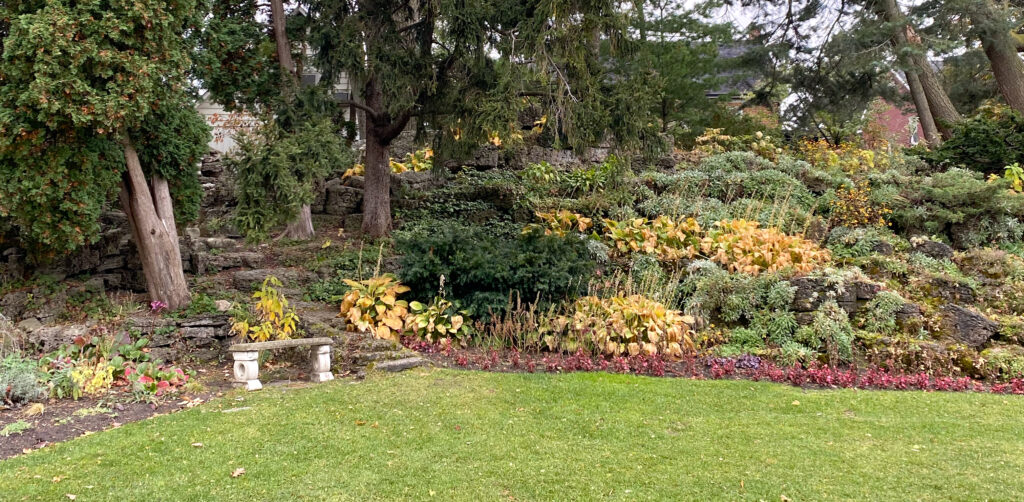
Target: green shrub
<point>734,162</point>
<point>276,171</point>
<point>958,204</point>
<point>20,380</point>
<point>714,294</point>
<point>879,315</point>
<point>594,178</point>
<point>860,242</point>
<point>830,333</point>
<point>689,184</point>
<point>493,200</point>
<point>1003,362</point>
<point>742,341</point>
<point>481,271</point>
<point>768,185</point>
<point>986,142</point>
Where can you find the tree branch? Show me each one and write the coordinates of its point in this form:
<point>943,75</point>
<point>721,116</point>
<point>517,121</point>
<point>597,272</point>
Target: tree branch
<point>397,126</point>
<point>370,114</point>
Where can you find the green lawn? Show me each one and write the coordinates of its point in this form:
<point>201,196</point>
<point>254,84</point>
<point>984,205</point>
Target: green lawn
<point>447,435</point>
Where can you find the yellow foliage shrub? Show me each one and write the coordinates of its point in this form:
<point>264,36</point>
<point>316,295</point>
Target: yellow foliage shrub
<point>93,379</point>
<point>373,305</point>
<point>561,223</point>
<point>667,238</point>
<point>420,160</point>
<point>743,247</point>
<point>629,325</point>
<point>852,207</point>
<point>274,319</point>
<point>848,157</point>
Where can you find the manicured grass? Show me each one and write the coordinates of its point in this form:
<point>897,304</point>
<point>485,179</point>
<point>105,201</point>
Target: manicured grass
<point>446,435</point>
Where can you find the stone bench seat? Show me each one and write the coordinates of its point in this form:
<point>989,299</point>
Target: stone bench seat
<point>247,355</point>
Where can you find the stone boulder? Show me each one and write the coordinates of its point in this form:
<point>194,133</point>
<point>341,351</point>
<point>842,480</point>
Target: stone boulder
<point>967,326</point>
<point>415,181</point>
<point>50,338</point>
<point>951,291</point>
<point>341,200</point>
<point>932,249</point>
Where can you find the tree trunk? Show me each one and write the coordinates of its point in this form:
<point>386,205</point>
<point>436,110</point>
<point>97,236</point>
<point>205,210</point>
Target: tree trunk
<point>151,218</point>
<point>284,48</point>
<point>301,228</point>
<point>1001,49</point>
<point>924,112</point>
<point>377,186</point>
<point>943,112</point>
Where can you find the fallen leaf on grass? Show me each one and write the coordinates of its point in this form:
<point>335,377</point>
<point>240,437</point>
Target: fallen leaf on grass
<point>197,445</point>
<point>57,479</point>
<point>360,422</point>
<point>796,403</point>
<point>238,472</point>
<point>70,496</point>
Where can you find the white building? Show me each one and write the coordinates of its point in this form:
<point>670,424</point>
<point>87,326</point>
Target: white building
<point>226,124</point>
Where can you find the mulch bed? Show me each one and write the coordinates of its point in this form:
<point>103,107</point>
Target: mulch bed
<point>62,419</point>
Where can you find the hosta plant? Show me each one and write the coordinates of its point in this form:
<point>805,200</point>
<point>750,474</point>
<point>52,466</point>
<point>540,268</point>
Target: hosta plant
<point>420,160</point>
<point>667,238</point>
<point>437,320</point>
<point>93,379</point>
<point>631,325</point>
<point>561,223</point>
<point>272,317</point>
<point>743,247</point>
<point>373,305</point>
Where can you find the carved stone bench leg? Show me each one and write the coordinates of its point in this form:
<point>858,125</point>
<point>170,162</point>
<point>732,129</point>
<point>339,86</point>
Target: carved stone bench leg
<point>247,369</point>
<point>322,363</point>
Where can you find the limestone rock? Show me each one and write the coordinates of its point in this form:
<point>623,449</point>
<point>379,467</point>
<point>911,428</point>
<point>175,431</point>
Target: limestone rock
<point>415,181</point>
<point>951,291</point>
<point>31,324</point>
<point>966,326</point>
<point>342,200</point>
<point>933,249</point>
<point>399,364</point>
<point>50,338</point>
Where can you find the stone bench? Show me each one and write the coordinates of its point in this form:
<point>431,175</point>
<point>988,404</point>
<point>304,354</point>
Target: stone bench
<point>247,364</point>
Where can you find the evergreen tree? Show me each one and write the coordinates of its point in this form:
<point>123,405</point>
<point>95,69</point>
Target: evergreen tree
<point>678,46</point>
<point>465,70</point>
<point>249,62</point>
<point>94,100</point>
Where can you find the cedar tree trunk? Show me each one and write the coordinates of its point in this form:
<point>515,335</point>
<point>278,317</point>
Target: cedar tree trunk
<point>377,186</point>
<point>924,112</point>
<point>381,129</point>
<point>1001,49</point>
<point>943,112</point>
<point>151,219</point>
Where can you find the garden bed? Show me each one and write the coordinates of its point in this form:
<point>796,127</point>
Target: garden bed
<point>59,420</point>
<point>747,367</point>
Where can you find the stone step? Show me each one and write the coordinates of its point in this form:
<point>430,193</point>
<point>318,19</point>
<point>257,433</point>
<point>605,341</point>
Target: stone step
<point>400,364</point>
